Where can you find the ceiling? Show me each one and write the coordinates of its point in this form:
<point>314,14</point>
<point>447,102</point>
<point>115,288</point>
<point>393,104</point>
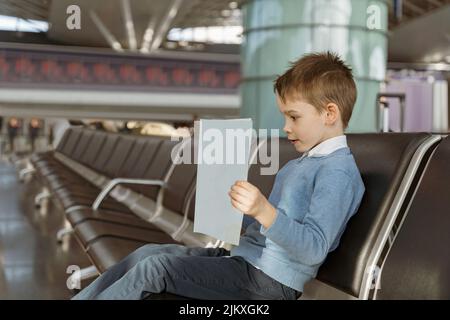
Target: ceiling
<point>207,12</point>
<point>144,13</point>
<point>422,34</point>
<point>412,9</point>
<point>194,12</point>
<point>428,45</point>
<point>26,9</point>
<point>427,18</point>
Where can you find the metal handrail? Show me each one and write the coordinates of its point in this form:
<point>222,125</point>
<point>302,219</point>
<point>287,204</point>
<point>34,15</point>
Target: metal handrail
<point>114,182</point>
<point>369,276</point>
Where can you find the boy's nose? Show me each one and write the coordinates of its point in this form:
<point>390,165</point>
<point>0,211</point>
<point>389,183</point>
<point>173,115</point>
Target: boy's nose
<point>286,129</point>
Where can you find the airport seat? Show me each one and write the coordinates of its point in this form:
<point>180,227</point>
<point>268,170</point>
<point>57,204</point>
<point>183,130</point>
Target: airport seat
<point>117,228</point>
<point>115,156</point>
<point>152,160</point>
<point>89,159</point>
<point>81,214</point>
<point>50,166</point>
<point>117,244</point>
<point>107,251</point>
<point>92,230</point>
<point>148,164</point>
<point>344,268</point>
<point>148,159</point>
<point>418,262</point>
<point>179,189</point>
<point>383,160</point>
<point>123,155</point>
<point>48,155</point>
<point>100,152</point>
<point>46,162</point>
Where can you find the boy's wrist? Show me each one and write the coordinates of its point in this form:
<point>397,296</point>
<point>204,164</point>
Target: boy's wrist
<point>267,216</point>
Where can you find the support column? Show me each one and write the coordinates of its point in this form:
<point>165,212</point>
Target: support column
<point>277,32</point>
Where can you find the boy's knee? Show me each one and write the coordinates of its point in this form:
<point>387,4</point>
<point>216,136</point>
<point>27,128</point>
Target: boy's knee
<point>153,248</point>
<point>149,249</point>
<point>157,259</point>
<point>159,264</point>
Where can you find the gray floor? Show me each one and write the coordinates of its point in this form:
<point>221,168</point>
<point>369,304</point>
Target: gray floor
<point>32,264</point>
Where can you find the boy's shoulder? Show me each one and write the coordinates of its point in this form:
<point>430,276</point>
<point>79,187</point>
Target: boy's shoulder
<point>339,160</point>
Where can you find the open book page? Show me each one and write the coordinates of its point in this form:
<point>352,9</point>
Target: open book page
<point>223,158</point>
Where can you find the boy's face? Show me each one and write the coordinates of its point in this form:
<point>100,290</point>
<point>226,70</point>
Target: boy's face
<point>304,126</point>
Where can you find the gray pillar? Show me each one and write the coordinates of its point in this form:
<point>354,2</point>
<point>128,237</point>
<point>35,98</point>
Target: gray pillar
<point>279,31</point>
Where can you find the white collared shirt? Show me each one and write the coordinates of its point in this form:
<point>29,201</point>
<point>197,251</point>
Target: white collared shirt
<point>326,147</point>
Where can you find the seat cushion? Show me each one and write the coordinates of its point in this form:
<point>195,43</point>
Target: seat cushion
<point>91,230</point>
<point>124,218</point>
<point>418,263</point>
<point>68,201</point>
<point>107,251</point>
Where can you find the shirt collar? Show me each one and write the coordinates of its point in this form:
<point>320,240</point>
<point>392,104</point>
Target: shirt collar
<point>326,147</point>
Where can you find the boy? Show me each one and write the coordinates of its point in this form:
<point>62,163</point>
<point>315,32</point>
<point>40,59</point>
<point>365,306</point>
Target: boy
<point>287,236</point>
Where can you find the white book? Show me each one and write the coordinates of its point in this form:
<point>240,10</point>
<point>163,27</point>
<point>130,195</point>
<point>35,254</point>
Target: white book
<point>223,151</point>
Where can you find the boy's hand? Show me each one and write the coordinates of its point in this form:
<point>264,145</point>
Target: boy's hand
<point>247,198</point>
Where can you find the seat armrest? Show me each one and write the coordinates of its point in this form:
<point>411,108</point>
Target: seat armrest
<point>117,181</point>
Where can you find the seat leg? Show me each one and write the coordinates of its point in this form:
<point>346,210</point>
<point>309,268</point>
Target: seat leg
<point>45,194</point>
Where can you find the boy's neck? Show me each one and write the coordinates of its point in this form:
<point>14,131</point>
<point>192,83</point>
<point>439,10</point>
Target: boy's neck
<point>333,134</point>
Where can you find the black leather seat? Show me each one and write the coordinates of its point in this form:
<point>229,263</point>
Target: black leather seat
<point>176,193</point>
<point>47,164</point>
<point>108,251</point>
<point>109,235</point>
<point>147,153</point>
<point>46,156</point>
<point>92,230</point>
<point>382,160</point>
<point>418,263</point>
<point>344,268</point>
<point>79,215</point>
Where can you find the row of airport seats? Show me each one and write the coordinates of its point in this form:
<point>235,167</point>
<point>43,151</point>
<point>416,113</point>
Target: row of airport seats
<point>120,192</point>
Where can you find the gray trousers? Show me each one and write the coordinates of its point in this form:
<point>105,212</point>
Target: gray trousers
<point>198,273</point>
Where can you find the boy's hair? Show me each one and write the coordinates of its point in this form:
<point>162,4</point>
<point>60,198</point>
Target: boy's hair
<point>319,79</point>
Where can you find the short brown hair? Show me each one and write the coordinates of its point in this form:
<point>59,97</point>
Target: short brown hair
<point>319,79</point>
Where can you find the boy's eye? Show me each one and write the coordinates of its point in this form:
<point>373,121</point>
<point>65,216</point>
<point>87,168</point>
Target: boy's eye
<point>293,118</point>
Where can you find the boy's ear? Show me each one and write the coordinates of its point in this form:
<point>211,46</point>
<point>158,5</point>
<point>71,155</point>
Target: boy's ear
<point>332,113</point>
